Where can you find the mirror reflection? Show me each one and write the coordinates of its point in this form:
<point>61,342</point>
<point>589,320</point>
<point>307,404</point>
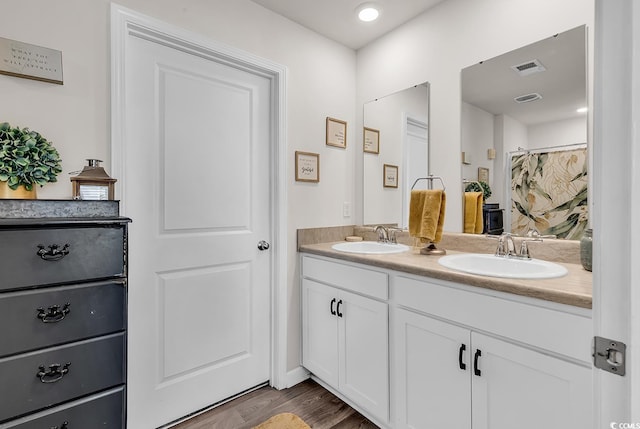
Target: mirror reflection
<point>396,153</point>
<point>524,133</point>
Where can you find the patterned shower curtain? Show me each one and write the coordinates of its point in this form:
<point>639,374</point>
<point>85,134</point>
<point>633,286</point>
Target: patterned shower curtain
<point>549,192</point>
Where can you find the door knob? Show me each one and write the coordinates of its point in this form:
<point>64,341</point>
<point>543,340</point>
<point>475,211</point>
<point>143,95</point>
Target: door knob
<point>263,245</point>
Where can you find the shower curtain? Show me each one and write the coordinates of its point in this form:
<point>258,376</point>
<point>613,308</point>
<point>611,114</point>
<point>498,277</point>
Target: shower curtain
<point>549,192</point>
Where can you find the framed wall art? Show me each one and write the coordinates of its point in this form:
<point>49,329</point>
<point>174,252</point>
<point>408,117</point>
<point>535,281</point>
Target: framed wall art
<point>307,167</point>
<point>371,140</point>
<point>336,133</point>
<point>483,175</point>
<point>20,59</point>
<point>390,176</point>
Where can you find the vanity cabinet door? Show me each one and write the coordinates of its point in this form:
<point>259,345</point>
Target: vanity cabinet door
<point>433,373</point>
<point>519,387</point>
<point>364,352</point>
<point>345,343</point>
<point>320,330</point>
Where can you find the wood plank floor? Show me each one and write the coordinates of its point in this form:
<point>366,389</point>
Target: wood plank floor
<point>318,407</point>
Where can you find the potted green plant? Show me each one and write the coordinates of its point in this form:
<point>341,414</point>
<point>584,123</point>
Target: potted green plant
<point>26,159</point>
<point>479,187</point>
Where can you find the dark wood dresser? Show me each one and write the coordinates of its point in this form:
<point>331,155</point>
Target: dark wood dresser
<point>63,307</point>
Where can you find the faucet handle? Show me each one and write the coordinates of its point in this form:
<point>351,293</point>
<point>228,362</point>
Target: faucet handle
<point>534,233</point>
<point>524,247</point>
<point>392,235</point>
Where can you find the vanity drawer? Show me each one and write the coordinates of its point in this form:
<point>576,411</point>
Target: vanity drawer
<point>105,410</point>
<point>47,317</point>
<point>29,383</point>
<point>361,280</point>
<point>60,255</point>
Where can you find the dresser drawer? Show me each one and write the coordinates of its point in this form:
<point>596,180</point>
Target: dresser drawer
<point>105,410</point>
<point>46,317</point>
<point>60,255</point>
<point>30,384</point>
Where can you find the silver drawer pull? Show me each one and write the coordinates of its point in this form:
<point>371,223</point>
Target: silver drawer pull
<point>54,373</point>
<point>53,252</point>
<point>65,425</point>
<point>54,313</point>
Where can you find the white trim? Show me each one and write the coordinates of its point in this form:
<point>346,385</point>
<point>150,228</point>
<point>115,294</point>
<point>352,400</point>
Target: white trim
<point>634,301</point>
<point>125,22</point>
<point>296,376</point>
<point>410,119</point>
<point>616,183</point>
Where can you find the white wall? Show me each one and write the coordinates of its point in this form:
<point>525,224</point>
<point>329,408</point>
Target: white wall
<point>75,116</point>
<point>438,44</point>
<point>384,205</point>
<point>557,133</point>
<point>476,137</point>
<point>514,136</point>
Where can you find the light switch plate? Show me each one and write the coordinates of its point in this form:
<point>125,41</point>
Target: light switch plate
<point>346,209</point>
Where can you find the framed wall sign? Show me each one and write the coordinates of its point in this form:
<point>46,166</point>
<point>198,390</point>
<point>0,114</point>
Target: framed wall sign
<point>483,175</point>
<point>390,175</point>
<point>371,141</point>
<point>336,133</point>
<point>307,167</point>
<point>28,61</point>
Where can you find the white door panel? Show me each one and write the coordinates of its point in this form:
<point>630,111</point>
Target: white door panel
<point>197,165</point>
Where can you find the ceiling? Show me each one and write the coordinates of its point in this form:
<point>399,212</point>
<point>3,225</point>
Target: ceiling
<point>337,20</point>
<point>492,85</point>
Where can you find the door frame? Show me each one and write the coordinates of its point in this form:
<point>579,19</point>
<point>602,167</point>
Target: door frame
<point>408,119</point>
<point>126,22</point>
<point>616,182</point>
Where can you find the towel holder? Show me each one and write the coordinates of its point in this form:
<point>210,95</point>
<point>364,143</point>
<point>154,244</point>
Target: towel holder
<point>468,182</point>
<point>431,249</point>
<point>430,178</point>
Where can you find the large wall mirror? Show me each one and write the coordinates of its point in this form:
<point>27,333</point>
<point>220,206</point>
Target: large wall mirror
<point>396,153</point>
<point>524,131</point>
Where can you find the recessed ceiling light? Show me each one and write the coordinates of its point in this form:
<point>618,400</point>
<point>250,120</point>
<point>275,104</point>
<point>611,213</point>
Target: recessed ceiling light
<point>368,12</point>
<point>582,110</point>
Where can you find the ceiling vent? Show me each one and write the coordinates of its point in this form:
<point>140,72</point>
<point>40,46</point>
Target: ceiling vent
<point>528,98</point>
<point>530,67</point>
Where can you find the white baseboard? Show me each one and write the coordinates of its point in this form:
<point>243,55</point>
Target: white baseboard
<point>296,376</point>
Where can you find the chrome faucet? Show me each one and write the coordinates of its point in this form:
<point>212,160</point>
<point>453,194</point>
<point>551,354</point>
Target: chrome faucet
<point>506,246</point>
<point>507,249</point>
<point>383,234</point>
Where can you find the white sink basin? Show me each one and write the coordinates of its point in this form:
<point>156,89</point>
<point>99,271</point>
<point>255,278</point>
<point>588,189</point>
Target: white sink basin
<point>370,247</point>
<point>494,266</point>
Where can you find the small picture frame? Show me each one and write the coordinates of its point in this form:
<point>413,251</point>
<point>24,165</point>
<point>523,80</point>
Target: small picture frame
<point>336,133</point>
<point>483,175</point>
<point>371,140</point>
<point>307,167</point>
<point>390,176</point>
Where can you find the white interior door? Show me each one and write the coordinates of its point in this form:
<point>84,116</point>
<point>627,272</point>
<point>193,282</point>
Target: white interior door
<point>416,161</point>
<point>197,166</point>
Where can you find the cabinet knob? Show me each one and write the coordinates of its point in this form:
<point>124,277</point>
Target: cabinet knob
<point>338,308</point>
<point>333,312</point>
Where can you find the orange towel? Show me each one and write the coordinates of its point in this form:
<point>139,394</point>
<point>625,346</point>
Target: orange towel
<point>473,212</point>
<point>426,214</point>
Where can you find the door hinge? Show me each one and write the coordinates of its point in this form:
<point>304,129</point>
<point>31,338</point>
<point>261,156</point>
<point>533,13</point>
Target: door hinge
<point>609,355</point>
